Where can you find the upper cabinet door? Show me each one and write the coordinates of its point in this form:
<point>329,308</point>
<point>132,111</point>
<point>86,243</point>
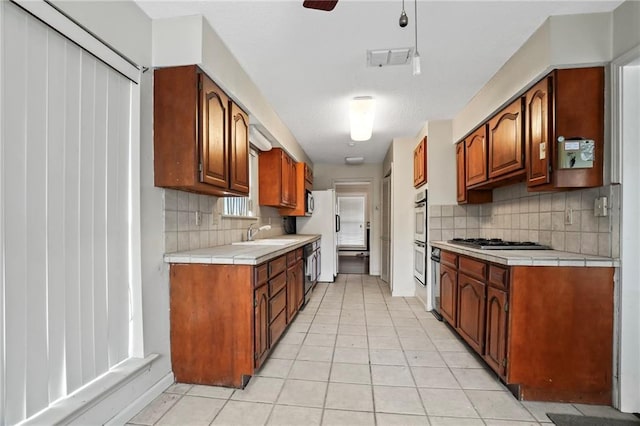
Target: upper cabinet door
<point>420,163</point>
<point>476,157</point>
<point>537,133</point>
<point>460,181</point>
<point>214,118</point>
<point>239,145</point>
<point>506,153</point>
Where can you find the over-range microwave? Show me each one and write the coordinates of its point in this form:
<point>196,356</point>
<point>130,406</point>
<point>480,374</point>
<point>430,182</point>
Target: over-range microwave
<point>308,203</point>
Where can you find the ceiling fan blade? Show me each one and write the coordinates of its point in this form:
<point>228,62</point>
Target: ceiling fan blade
<point>326,5</point>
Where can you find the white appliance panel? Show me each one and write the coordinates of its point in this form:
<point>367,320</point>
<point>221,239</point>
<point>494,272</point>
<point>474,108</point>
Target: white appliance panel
<point>323,222</point>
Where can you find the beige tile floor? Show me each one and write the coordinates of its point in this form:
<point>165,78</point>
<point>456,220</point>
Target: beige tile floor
<point>357,356</point>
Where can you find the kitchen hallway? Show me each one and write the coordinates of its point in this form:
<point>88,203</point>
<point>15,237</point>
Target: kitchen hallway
<point>357,356</point>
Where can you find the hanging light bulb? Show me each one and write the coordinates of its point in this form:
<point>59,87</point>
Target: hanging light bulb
<point>415,61</point>
<point>416,56</point>
<point>404,20</point>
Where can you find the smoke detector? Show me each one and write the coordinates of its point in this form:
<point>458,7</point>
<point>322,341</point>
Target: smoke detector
<point>386,57</point>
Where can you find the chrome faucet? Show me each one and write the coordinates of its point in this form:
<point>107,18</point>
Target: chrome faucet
<point>251,231</point>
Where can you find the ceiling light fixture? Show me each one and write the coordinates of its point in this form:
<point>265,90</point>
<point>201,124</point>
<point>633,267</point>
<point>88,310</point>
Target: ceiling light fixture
<point>352,161</point>
<point>403,21</point>
<point>361,112</point>
<point>416,55</point>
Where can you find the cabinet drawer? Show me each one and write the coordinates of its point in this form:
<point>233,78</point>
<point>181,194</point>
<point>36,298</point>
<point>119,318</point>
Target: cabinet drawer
<point>277,304</point>
<point>276,284</point>
<point>291,258</point>
<point>449,258</point>
<point>277,265</point>
<point>262,275</point>
<point>473,268</point>
<point>498,277</point>
<point>277,328</point>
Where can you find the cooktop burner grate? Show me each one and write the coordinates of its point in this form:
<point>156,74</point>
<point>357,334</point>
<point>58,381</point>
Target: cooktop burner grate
<point>497,244</point>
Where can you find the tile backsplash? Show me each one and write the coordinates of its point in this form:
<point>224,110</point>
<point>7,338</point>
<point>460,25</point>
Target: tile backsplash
<point>182,233</point>
<point>518,215</point>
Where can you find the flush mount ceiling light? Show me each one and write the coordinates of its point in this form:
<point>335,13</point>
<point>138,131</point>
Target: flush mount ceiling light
<point>353,160</point>
<point>361,112</point>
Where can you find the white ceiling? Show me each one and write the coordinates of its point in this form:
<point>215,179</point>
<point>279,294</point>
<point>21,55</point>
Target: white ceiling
<point>309,64</point>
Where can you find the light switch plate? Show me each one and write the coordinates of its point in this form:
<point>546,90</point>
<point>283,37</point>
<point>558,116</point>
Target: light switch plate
<point>568,216</point>
<point>600,206</point>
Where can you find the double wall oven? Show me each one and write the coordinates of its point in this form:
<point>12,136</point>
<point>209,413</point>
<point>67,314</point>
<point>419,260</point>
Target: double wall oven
<point>420,246</point>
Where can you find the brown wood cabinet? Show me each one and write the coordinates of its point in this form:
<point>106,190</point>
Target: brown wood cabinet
<point>496,330</point>
<point>449,293</point>
<point>295,285</point>
<point>464,195</point>
<point>225,319</point>
<point>535,325</point>
<point>476,157</point>
<point>201,141</point>
<point>567,104</point>
<point>506,142</point>
<point>277,176</point>
<point>420,163</point>
<point>303,182</point>
<point>472,276</point>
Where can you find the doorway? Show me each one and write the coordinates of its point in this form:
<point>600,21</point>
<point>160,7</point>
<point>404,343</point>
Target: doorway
<point>353,209</point>
<point>626,130</point>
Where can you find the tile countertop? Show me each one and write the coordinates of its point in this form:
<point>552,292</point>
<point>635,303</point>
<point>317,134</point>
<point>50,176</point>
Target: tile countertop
<point>530,257</point>
<point>238,254</point>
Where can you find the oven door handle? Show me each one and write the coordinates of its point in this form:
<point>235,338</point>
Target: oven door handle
<point>419,243</point>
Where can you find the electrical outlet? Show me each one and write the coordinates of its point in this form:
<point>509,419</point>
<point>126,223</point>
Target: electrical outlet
<point>568,216</point>
<point>198,218</point>
<point>600,207</point>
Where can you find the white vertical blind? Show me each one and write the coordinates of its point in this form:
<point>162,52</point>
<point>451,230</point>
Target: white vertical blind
<point>66,178</point>
<point>351,210</point>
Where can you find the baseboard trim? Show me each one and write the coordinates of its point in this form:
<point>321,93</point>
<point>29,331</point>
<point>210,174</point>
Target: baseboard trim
<point>145,399</point>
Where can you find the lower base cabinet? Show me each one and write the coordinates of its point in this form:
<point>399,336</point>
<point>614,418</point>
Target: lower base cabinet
<point>225,319</point>
<point>547,331</point>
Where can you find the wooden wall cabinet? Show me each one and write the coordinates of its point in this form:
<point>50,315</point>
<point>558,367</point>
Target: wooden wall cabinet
<point>476,157</point>
<point>303,183</point>
<point>225,319</point>
<point>559,352</point>
<point>506,142</point>
<point>201,141</point>
<point>465,195</point>
<point>420,163</point>
<point>277,176</point>
<point>567,104</point>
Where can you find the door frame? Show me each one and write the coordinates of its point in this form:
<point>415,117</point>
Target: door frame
<point>625,156</point>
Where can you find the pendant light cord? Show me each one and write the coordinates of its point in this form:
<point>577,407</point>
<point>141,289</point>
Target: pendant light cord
<point>415,20</point>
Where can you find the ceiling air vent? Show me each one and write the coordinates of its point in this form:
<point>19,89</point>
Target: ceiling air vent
<point>385,57</point>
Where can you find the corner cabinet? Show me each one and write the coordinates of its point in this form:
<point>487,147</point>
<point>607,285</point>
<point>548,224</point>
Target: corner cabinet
<point>420,163</point>
<point>201,141</point>
<point>534,325</point>
<point>225,319</point>
<point>565,130</point>
<point>464,195</point>
<point>476,157</point>
<point>303,180</point>
<point>277,175</point>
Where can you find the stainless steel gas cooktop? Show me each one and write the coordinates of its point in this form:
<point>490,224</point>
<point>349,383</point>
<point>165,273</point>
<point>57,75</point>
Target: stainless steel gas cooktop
<point>497,244</point>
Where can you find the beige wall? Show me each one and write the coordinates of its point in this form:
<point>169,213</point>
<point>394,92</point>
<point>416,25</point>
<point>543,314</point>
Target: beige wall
<point>191,40</point>
<point>562,41</point>
<point>441,163</point>
<point>626,24</point>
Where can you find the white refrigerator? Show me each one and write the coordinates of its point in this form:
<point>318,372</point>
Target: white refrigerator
<point>326,222</point>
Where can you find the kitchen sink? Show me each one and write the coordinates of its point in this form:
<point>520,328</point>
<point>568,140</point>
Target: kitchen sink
<point>266,242</point>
